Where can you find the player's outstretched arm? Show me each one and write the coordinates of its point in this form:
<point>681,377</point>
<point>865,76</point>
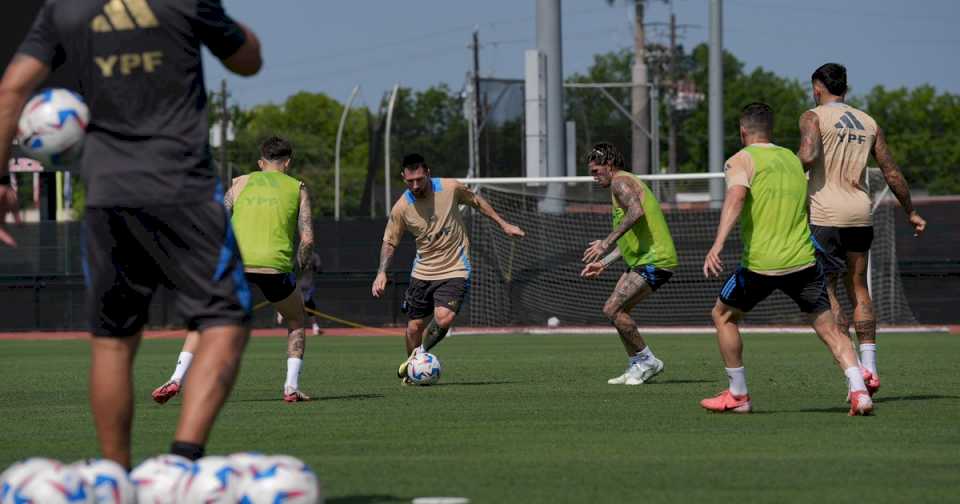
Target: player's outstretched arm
<point>898,184</point>
<point>629,195</point>
<point>20,79</point>
<point>473,199</point>
<point>811,145</point>
<point>305,230</point>
<point>732,206</point>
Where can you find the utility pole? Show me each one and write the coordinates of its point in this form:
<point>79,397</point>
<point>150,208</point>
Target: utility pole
<point>476,101</point>
<point>224,124</point>
<point>715,110</point>
<point>639,99</point>
<point>671,99</point>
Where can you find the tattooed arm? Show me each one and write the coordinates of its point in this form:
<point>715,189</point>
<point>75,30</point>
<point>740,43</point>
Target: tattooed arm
<point>391,237</point>
<point>894,178</point>
<point>305,229</point>
<point>629,195</point>
<point>811,145</point>
<point>593,270</point>
<point>228,199</point>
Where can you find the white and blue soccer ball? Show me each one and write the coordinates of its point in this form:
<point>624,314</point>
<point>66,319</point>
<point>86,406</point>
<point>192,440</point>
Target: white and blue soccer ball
<point>247,463</point>
<point>52,126</point>
<point>215,481</point>
<point>424,369</point>
<point>158,480</point>
<point>280,479</point>
<point>56,484</point>
<point>20,472</point>
<point>108,481</point>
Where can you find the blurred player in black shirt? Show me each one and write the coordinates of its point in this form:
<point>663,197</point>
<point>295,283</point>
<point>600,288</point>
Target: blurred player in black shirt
<point>154,205</point>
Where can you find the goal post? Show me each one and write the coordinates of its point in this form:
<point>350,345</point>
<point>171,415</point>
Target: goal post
<point>527,281</point>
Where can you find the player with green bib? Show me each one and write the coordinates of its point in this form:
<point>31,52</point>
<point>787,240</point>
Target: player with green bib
<point>767,193</point>
<point>269,210</point>
<point>643,240</point>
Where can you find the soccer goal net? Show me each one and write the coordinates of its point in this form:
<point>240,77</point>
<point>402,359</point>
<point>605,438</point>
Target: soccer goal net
<point>528,281</point>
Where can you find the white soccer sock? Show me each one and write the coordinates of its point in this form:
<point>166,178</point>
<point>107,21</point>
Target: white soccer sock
<point>868,356</point>
<point>183,365</point>
<point>854,379</point>
<point>738,380</point>
<point>644,355</point>
<point>293,372</point>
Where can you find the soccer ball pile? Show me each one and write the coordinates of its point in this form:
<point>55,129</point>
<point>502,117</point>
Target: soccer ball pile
<point>424,369</point>
<point>243,477</point>
<point>52,126</point>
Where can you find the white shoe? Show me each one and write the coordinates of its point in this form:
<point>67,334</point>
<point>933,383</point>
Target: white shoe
<point>638,373</point>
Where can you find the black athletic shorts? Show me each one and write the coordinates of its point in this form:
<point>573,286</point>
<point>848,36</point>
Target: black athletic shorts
<point>275,286</point>
<point>807,287</point>
<point>654,276</point>
<point>423,295</point>
<point>190,248</point>
<point>833,243</point>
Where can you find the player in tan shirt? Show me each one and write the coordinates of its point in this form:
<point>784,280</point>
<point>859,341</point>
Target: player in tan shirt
<point>440,278</point>
<point>836,141</point>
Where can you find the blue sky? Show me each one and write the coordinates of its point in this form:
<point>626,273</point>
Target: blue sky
<point>330,45</point>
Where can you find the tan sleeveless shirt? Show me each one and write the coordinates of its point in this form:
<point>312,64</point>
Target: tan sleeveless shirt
<point>838,190</point>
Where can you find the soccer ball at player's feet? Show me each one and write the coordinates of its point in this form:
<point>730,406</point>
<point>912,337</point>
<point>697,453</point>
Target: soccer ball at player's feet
<point>108,481</point>
<point>424,369</point>
<point>52,127</point>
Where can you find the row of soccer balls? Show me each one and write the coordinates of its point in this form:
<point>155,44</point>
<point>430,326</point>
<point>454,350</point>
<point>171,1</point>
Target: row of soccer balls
<point>239,478</point>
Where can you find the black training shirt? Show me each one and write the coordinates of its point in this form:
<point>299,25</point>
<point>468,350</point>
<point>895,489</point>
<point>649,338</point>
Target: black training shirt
<point>139,70</point>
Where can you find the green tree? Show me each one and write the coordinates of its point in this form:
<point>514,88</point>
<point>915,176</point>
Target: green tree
<point>788,98</point>
<point>309,121</point>
<point>921,128</point>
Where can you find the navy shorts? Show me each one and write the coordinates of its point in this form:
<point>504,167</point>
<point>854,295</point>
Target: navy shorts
<point>807,287</point>
<point>423,295</point>
<point>833,243</point>
<point>654,276</point>
<point>275,286</point>
<point>191,249</point>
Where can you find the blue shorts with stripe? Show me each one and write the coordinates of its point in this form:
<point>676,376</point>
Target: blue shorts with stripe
<point>128,253</point>
<point>807,287</point>
<point>654,276</point>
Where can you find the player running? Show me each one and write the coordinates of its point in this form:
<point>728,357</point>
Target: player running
<point>767,185</point>
<point>440,279</point>
<point>153,214</point>
<point>643,240</point>
<point>836,141</point>
<point>269,209</point>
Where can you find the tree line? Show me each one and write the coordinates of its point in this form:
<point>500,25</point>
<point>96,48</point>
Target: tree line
<point>920,124</point>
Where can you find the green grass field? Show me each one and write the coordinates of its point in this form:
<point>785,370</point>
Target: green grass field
<point>531,419</point>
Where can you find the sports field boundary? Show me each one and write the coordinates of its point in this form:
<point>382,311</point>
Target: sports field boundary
<point>531,330</point>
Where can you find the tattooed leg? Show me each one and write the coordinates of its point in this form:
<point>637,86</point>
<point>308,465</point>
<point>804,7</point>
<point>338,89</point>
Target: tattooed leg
<point>296,343</point>
<point>838,314</point>
<point>630,290</point>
